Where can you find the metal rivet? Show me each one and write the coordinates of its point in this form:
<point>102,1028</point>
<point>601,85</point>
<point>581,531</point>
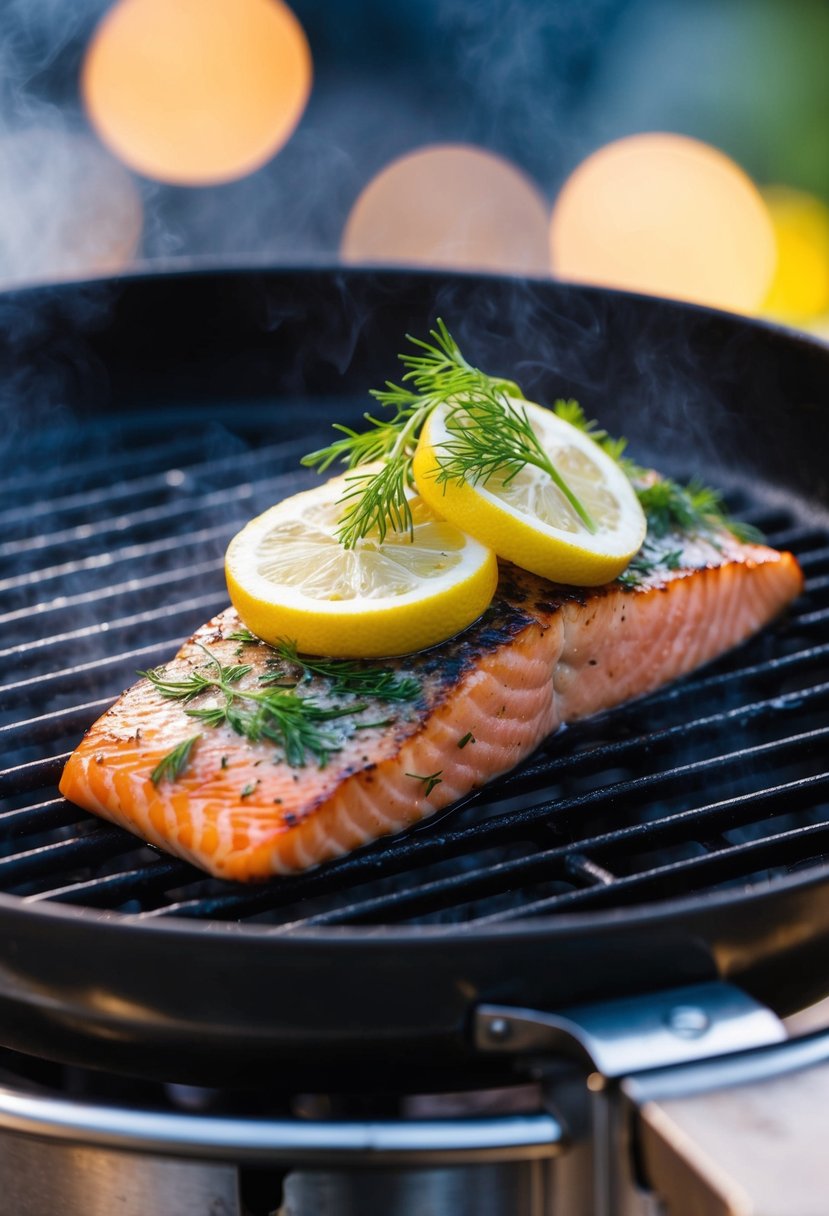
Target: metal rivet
<point>687,1021</point>
<point>499,1029</point>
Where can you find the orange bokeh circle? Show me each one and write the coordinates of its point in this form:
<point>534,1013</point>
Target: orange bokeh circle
<point>451,205</point>
<point>669,215</point>
<point>196,92</point>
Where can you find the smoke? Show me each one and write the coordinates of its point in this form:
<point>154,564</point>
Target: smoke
<point>512,75</point>
<point>67,209</point>
<point>528,69</point>
<point>35,39</point>
<point>508,75</point>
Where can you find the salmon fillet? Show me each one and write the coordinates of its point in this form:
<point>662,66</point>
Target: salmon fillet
<point>541,655</point>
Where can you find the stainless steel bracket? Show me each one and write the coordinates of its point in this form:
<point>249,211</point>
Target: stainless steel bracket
<point>635,1034</point>
<point>695,1097</point>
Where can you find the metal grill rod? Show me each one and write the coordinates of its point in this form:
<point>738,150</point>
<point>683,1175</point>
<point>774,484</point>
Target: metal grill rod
<point>105,562</point>
<point>114,490</point>
<point>71,675</point>
<point>501,876</point>
<point>776,851</point>
<point>210,603</point>
<point>133,586</point>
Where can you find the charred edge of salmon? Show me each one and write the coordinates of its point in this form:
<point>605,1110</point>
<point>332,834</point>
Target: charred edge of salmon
<point>529,664</point>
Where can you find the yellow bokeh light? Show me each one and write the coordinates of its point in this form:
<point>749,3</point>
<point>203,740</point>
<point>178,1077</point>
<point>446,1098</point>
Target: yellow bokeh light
<point>196,92</point>
<point>800,288</point>
<point>666,215</point>
<point>450,205</point>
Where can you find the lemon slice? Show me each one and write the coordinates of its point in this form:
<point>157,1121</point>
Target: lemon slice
<point>527,520</point>
<point>289,577</point>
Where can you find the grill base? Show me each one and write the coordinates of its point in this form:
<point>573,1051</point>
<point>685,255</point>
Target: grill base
<point>187,1151</point>
<point>81,1181</point>
<point>744,1110</point>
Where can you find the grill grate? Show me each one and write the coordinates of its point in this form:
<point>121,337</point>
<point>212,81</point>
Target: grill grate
<point>110,557</point>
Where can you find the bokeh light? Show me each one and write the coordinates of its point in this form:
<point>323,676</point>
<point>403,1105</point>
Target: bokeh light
<point>800,288</point>
<point>450,205</point>
<point>67,209</point>
<point>196,92</point>
<point>667,215</point>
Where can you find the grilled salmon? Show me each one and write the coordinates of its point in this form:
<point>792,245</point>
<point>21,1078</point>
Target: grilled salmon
<point>245,807</point>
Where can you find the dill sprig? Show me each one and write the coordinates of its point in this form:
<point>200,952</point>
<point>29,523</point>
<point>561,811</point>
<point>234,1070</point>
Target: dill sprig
<point>693,508</point>
<point>647,560</point>
<point>171,766</point>
<point>195,683</point>
<point>244,637</point>
<point>280,715</point>
<point>429,781</point>
<point>491,437</point>
<point>436,374</point>
<point>346,677</point>
<point>378,501</point>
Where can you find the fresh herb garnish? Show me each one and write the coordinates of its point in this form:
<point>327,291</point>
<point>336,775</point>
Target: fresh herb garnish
<point>347,678</point>
<point>244,635</point>
<point>196,683</point>
<point>174,764</point>
<point>647,560</point>
<point>429,782</point>
<point>492,436</point>
<point>275,711</point>
<point>290,721</point>
<point>468,738</point>
<point>693,509</point>
<point>438,375</point>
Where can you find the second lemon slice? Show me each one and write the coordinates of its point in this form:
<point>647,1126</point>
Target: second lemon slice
<point>289,577</point>
<point>526,519</point>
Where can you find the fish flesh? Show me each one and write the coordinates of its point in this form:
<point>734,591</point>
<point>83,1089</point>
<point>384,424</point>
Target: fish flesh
<point>542,655</point>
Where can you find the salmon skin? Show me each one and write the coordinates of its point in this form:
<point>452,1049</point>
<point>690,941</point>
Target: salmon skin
<point>541,655</point>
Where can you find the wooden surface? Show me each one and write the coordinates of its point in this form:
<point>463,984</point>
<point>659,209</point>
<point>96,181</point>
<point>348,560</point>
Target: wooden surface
<point>754,1150</point>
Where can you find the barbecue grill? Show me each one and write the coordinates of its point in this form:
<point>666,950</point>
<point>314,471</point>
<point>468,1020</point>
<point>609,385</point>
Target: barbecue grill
<point>424,1024</point>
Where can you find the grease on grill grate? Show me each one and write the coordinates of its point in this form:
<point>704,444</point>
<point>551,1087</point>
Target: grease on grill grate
<point>110,560</point>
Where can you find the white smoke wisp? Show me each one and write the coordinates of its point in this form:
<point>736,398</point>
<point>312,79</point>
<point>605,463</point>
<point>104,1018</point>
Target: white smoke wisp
<point>67,208</point>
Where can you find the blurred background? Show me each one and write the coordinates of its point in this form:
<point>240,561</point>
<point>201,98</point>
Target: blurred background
<point>673,146</point>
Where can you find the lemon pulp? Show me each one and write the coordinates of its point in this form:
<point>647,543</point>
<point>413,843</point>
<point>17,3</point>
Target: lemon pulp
<point>289,577</point>
<point>526,519</point>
